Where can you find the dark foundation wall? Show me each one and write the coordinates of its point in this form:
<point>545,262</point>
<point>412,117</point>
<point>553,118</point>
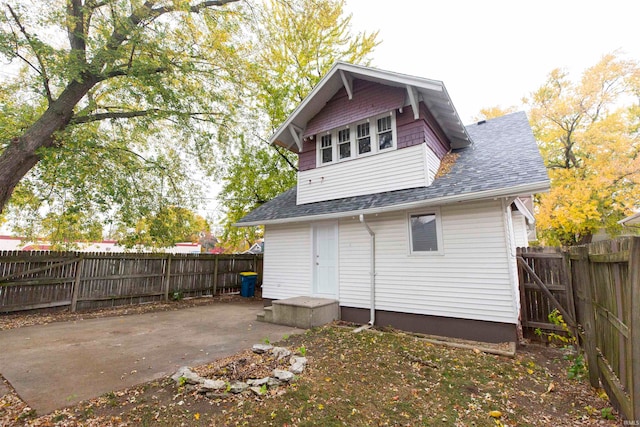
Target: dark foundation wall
<point>477,330</point>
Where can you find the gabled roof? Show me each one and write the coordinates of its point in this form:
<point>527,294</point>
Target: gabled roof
<point>431,92</point>
<point>503,162</point>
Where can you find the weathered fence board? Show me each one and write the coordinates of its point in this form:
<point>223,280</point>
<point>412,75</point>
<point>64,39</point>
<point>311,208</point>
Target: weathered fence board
<point>544,286</point>
<point>600,283</point>
<point>32,280</point>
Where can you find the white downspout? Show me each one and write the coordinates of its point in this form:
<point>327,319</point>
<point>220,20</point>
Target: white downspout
<point>373,270</point>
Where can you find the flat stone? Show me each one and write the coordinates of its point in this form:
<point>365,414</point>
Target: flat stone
<point>297,368</point>
<point>256,390</point>
<point>189,376</point>
<point>238,387</point>
<point>273,382</point>
<point>298,359</point>
<point>282,375</point>
<point>258,382</point>
<point>212,394</point>
<point>261,348</point>
<point>280,352</point>
<point>209,385</point>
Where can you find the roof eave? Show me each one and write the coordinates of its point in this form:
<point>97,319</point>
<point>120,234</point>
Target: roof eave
<point>284,133</point>
<point>514,191</point>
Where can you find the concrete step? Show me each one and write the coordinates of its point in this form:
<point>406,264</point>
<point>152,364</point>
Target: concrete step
<point>305,312</point>
<point>266,315</point>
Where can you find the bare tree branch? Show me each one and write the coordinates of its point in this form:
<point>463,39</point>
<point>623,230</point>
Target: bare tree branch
<point>42,71</point>
<point>112,115</point>
<point>275,147</point>
<point>132,114</point>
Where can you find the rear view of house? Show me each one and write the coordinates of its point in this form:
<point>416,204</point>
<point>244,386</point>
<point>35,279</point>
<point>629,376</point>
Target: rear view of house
<point>403,215</point>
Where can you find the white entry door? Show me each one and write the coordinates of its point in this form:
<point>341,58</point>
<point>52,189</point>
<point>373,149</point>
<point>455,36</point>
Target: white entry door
<point>325,260</point>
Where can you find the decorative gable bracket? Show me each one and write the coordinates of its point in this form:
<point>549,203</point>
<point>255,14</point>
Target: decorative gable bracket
<point>414,100</point>
<point>296,134</point>
<point>347,81</point>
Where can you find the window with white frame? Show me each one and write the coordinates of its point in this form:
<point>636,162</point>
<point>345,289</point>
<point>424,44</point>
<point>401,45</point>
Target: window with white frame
<point>364,138</point>
<point>344,144</point>
<point>425,233</point>
<point>326,149</point>
<point>374,135</point>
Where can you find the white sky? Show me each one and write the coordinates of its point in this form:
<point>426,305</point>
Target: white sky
<point>495,52</point>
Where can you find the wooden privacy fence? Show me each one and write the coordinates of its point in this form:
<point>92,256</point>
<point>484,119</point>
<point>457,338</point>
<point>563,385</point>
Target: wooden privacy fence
<point>545,285</point>
<point>597,286</point>
<point>32,280</point>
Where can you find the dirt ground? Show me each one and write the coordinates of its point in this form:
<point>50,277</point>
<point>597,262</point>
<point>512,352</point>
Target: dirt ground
<point>371,378</point>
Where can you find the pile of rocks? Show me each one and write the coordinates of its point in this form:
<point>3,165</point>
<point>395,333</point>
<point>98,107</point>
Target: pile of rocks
<point>219,388</point>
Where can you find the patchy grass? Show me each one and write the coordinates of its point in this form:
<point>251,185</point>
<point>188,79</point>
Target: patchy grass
<point>370,378</point>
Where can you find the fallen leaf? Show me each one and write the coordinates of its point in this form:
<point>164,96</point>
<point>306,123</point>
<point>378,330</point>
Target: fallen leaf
<point>495,414</point>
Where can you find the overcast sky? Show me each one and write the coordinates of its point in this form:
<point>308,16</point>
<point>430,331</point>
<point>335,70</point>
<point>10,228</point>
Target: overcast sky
<point>494,52</point>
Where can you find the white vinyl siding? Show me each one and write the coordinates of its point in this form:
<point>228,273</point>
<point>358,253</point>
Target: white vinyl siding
<point>469,280</point>
<point>355,257</point>
<point>520,229</point>
<point>287,261</point>
<point>388,171</point>
<point>433,164</point>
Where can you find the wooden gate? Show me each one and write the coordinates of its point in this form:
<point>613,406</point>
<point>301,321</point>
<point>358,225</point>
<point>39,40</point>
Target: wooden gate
<point>545,285</point>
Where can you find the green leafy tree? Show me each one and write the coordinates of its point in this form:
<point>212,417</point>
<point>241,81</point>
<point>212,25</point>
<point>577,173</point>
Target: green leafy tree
<point>297,43</point>
<point>115,103</point>
<point>165,228</point>
<point>589,139</point>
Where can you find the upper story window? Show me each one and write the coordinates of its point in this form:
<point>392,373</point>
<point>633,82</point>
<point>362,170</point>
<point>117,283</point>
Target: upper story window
<point>344,144</point>
<point>374,135</point>
<point>326,149</point>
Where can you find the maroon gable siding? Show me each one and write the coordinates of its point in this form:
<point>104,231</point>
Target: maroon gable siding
<point>368,100</point>
<point>434,136</point>
<point>340,111</point>
<point>413,132</point>
<point>307,158</point>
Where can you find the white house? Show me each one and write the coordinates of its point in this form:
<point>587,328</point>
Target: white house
<point>401,213</point>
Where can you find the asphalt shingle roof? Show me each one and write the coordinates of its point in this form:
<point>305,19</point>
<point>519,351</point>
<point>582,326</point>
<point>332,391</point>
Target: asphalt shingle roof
<point>504,155</point>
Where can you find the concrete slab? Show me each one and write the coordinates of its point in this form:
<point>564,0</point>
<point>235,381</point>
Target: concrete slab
<point>305,312</point>
<point>57,365</point>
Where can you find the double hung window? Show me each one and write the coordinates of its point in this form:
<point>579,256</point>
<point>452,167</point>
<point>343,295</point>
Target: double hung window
<point>371,136</point>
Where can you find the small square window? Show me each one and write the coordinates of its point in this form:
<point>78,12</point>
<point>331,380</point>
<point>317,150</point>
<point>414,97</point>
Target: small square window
<point>326,147</point>
<point>344,144</point>
<point>364,138</point>
<point>424,233</point>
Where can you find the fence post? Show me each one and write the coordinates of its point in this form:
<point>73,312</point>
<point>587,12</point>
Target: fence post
<point>583,279</point>
<point>167,277</point>
<point>76,285</point>
<point>570,293</point>
<point>215,276</point>
<point>634,330</point>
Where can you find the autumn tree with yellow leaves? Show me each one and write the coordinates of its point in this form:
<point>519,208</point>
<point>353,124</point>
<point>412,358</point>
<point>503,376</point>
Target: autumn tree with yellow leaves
<point>588,132</point>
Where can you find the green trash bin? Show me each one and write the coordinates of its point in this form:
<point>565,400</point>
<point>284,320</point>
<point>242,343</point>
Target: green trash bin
<point>248,287</point>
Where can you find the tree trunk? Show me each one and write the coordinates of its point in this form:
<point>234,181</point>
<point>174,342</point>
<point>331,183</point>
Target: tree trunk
<point>22,153</point>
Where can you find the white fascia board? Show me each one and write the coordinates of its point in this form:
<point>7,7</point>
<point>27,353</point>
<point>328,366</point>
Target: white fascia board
<point>630,220</point>
<point>537,187</point>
